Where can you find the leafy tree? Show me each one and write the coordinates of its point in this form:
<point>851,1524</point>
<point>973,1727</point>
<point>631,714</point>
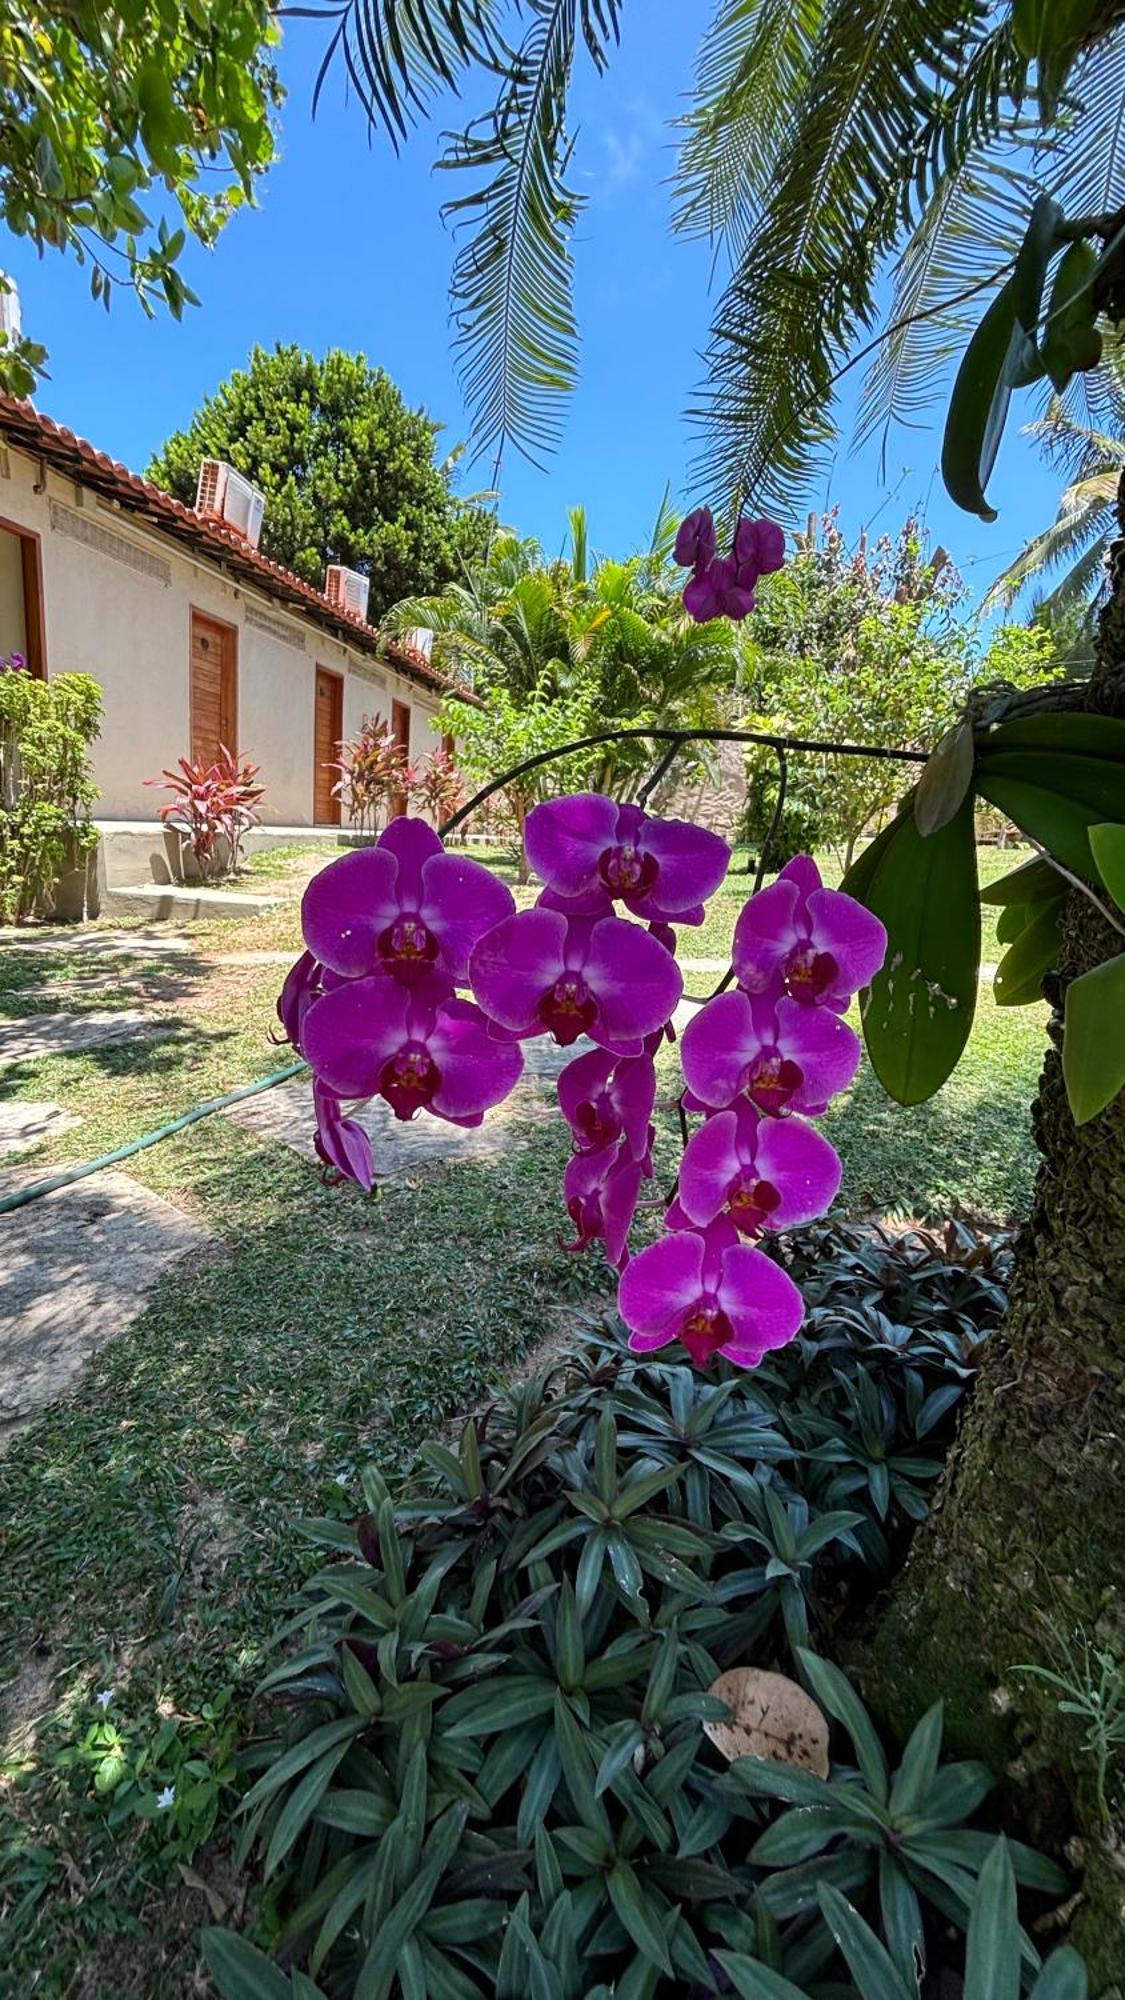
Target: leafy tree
<point>864,646</point>
<point>348,471</point>
<point>104,110</point>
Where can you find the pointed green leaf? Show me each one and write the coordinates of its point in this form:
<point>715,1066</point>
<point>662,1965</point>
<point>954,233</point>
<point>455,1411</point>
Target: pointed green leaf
<point>992,1950</point>
<point>1094,1039</point>
<point>919,1764</point>
<point>868,1961</point>
<point>1107,843</point>
<point>918,1011</point>
<point>835,1692</point>
<point>240,1970</point>
<point>753,1981</point>
<point>1032,882</point>
<point>1063,1977</point>
<point>1028,960</point>
<point>638,1915</point>
<point>978,406</point>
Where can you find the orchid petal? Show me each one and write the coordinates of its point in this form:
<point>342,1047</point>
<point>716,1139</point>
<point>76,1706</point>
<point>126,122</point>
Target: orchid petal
<point>692,861</point>
<point>852,934</point>
<point>824,1047</point>
<point>762,1303</point>
<point>413,843</point>
<point>717,1046</point>
<point>636,983</point>
<point>460,902</point>
<point>711,1161</point>
<point>347,907</point>
<point>800,1163</point>
<point>515,964</point>
<point>661,1285</point>
<point>476,1071</point>
<point>766,932</point>
<point>565,838</point>
<point>351,1032</point>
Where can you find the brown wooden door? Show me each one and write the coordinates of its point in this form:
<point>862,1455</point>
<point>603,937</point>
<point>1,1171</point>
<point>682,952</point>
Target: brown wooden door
<point>400,730</point>
<point>214,688</point>
<point>327,732</point>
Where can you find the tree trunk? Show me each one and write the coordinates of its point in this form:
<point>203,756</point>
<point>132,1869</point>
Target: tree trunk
<point>1024,1553</point>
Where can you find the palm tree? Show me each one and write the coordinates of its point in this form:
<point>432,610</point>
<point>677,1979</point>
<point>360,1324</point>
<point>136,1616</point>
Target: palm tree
<point>1092,461</point>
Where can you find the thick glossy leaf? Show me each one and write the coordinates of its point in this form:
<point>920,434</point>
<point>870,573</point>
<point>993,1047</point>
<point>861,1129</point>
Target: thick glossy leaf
<point>978,406</point>
<point>240,1970</point>
<point>918,1011</point>
<point>868,1960</point>
<point>1107,843</point>
<point>1063,1977</point>
<point>1033,882</point>
<point>1072,732</point>
<point>992,1952</point>
<point>1094,782</point>
<point>1059,824</point>
<point>1094,1039</point>
<point>1034,953</point>
<point>945,779</point>
<point>1070,338</point>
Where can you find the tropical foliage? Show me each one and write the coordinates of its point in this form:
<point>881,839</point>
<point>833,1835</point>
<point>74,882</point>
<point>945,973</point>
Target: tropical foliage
<point>47,790</point>
<point>212,808</point>
<point>556,651</point>
<point>106,111</point>
<point>869,645</point>
<point>348,471</point>
<point>491,1776</point>
<point>812,160</point>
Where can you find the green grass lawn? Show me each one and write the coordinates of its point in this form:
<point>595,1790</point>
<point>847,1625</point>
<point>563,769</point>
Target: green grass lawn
<point>148,1524</point>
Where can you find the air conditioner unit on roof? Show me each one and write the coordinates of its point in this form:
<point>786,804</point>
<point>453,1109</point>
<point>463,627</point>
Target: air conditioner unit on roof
<point>224,495</point>
<point>347,590</point>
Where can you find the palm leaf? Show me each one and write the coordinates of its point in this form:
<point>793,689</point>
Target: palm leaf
<point>805,283</point>
<point>512,302</point>
<point>752,66</point>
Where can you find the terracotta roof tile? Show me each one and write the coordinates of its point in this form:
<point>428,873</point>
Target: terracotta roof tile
<point>25,427</point>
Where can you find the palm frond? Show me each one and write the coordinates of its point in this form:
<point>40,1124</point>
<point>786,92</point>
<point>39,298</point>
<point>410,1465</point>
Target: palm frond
<point>1087,172</point>
<point>805,284</point>
<point>1080,588</point>
<point>1086,519</point>
<point>513,308</point>
<point>935,301</point>
<point>397,54</point>
<point>752,67</point>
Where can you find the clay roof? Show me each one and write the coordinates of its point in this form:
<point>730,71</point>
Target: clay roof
<point>25,427</point>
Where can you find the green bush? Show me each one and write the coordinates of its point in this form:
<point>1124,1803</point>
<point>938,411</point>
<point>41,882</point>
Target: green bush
<point>493,1779</point>
<point>46,789</point>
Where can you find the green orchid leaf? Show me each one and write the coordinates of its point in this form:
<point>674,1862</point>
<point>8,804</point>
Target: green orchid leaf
<point>1034,953</point>
<point>1094,1039</point>
<point>945,779</point>
<point>918,1011</point>
<point>1032,882</point>
<point>1071,342</point>
<point>1107,843</point>
<point>978,407</point>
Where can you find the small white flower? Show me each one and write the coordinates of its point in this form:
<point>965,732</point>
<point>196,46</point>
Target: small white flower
<point>104,1697</point>
<point>166,1798</point>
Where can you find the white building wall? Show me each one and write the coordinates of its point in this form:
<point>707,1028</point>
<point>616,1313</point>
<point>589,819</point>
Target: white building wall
<point>117,602</point>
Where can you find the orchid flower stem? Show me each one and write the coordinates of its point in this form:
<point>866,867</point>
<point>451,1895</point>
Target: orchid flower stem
<point>679,737</point>
<point>1083,888</point>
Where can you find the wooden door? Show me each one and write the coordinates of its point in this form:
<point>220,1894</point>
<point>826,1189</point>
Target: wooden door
<point>327,732</point>
<point>214,688</point>
<point>400,730</point>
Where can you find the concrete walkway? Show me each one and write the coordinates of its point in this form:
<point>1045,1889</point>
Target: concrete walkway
<point>24,1124</point>
<point>66,1034</point>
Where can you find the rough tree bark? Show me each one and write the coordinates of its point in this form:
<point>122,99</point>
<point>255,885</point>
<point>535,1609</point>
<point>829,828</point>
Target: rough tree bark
<point>1026,1544</point>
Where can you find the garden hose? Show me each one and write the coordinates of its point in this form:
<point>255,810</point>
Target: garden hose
<point>39,1188</point>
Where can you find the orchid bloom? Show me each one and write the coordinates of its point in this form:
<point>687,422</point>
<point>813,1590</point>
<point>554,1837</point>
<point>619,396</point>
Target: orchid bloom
<point>760,546</point>
<point>662,869</point>
<point>303,985</point>
<point>341,1143</point>
<point>404,906</point>
<point>711,1292</point>
<point>695,540</point>
<point>817,945</point>
<point>783,1056</point>
<point>605,1098</point>
<point>419,1047</point>
<point>766,1173</point>
<point>721,591</point>
<point>600,1190</point>
<point>543,973</point>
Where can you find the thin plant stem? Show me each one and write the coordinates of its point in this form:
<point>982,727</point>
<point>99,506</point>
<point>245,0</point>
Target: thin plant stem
<point>1083,888</point>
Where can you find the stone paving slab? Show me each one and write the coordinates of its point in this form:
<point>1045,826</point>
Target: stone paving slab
<point>74,1269</point>
<point>63,1034</point>
<point>24,1124</point>
<point>400,1146</point>
<point>94,944</point>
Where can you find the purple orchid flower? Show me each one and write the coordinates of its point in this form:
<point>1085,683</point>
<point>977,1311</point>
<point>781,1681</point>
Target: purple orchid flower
<point>819,945</point>
<point>542,973</point>
<point>663,870</point>
<point>695,540</point>
<point>418,1047</point>
<point>601,1190</point>
<point>605,1098</point>
<point>711,1292</point>
<point>404,906</point>
<point>341,1142</point>
<point>766,1173</point>
<point>302,986</point>
<point>783,1056</point>
<point>760,546</point>
<point>718,592</point>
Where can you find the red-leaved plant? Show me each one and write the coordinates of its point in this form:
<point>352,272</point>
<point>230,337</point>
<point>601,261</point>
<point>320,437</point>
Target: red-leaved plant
<point>437,787</point>
<point>374,771</point>
<point>213,809</point>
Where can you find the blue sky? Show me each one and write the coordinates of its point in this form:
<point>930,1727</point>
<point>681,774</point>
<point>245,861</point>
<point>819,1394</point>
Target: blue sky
<point>347,248</point>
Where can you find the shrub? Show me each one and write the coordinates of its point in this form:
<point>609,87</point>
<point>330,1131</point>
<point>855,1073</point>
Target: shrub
<point>46,788</point>
<point>494,1779</point>
<point>374,770</point>
<point>437,787</point>
<point>213,809</point>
